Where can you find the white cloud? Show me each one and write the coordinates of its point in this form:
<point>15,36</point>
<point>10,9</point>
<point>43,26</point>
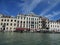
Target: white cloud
<point>50,16</point>
<point>21,4</point>
<point>50,7</point>
<point>28,8</point>
<point>49,2</point>
<point>6,12</point>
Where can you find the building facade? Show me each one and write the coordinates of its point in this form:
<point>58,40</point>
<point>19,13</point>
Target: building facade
<point>9,22</point>
<point>30,22</point>
<point>54,26</point>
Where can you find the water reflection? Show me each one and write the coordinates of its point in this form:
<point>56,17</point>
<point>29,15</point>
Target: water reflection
<point>9,38</point>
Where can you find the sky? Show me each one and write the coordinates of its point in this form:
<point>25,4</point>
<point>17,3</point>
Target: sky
<point>47,8</point>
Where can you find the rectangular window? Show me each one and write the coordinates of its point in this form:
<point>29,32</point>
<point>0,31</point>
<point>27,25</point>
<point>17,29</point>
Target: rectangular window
<point>7,28</point>
<point>14,24</point>
<point>7,24</point>
<point>39,24</point>
<point>11,24</point>
<point>1,19</point>
<point>32,26</point>
<point>21,17</point>
<point>11,20</point>
<point>35,22</point>
<point>17,21</point>
<point>24,22</point>
<point>29,18</point>
<point>24,17</point>
<point>5,20</point>
<point>21,21</point>
<point>51,25</point>
<point>1,23</point>
<point>32,22</point>
<point>14,20</point>
<point>32,18</point>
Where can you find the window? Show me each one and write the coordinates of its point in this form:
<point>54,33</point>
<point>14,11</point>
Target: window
<point>4,23</point>
<point>32,22</point>
<point>32,26</point>
<point>17,21</point>
<point>24,21</point>
<point>32,18</point>
<point>10,28</point>
<point>8,20</point>
<point>39,21</point>
<point>48,25</point>
<point>5,20</point>
<point>24,17</point>
<point>11,24</point>
<point>21,21</point>
<point>21,17</point>
<point>39,24</point>
<point>7,24</point>
<point>11,20</point>
<point>1,23</point>
<point>14,24</point>
<point>1,19</point>
<point>7,28</point>
<point>21,25</point>
<point>29,21</point>
<point>51,25</point>
<point>35,22</point>
<point>29,18</point>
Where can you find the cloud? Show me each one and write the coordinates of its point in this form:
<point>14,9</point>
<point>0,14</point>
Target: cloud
<point>28,8</point>
<point>50,16</point>
<point>50,2</point>
<point>19,4</point>
<point>5,11</point>
<point>50,7</point>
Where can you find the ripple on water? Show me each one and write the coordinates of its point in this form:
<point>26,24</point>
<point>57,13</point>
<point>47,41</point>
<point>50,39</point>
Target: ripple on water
<point>29,39</point>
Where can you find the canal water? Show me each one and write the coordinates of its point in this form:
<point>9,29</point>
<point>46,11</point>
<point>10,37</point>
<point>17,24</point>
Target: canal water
<point>12,38</point>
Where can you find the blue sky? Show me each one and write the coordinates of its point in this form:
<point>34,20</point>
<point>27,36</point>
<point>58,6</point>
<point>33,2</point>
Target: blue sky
<point>47,8</point>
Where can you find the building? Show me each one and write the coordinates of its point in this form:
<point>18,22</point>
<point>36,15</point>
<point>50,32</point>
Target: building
<point>7,22</point>
<point>32,22</point>
<point>28,22</point>
<point>54,26</point>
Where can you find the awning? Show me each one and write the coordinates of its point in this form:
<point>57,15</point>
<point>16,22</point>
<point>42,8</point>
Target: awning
<point>22,28</point>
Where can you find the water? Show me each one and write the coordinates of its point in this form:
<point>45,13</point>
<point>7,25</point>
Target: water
<point>29,39</point>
